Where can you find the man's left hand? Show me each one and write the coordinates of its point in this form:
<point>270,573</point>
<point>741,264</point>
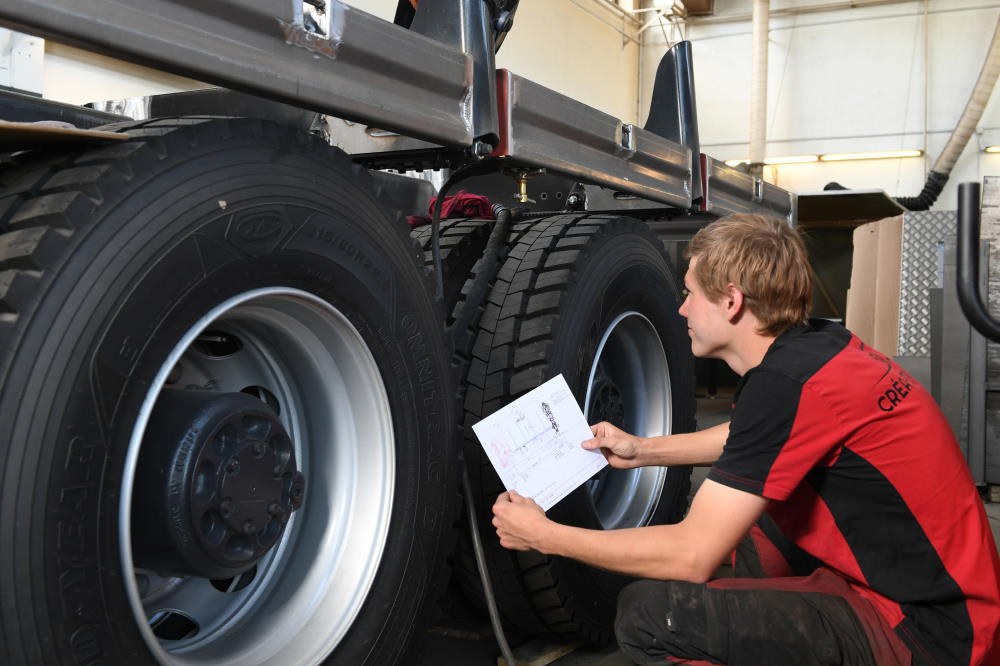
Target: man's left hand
<point>519,521</point>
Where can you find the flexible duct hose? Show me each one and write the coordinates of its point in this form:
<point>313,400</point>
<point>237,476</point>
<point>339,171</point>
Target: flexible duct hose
<point>932,189</point>
<point>941,170</point>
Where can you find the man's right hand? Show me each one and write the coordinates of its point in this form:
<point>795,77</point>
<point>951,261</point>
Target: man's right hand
<point>620,448</point>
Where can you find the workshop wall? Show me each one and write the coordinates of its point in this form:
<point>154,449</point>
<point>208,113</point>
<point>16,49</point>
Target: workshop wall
<point>845,80</point>
<point>575,47</point>
<point>580,48</point>
<point>75,76</point>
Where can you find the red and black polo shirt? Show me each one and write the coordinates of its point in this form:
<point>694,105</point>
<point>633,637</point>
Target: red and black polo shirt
<point>868,480</point>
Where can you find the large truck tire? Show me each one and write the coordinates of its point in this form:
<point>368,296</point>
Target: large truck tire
<point>461,241</point>
<point>226,406</point>
<point>595,299</point>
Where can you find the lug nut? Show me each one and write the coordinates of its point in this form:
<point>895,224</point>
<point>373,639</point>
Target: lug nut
<point>226,507</point>
<point>278,469</point>
<point>258,449</point>
<point>248,527</point>
<point>273,508</point>
<point>233,466</point>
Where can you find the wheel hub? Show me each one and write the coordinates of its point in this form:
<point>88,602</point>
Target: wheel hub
<point>607,402</point>
<point>216,484</point>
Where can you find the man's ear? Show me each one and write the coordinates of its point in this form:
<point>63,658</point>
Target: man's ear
<point>734,301</point>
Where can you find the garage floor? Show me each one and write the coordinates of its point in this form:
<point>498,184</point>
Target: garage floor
<point>470,642</point>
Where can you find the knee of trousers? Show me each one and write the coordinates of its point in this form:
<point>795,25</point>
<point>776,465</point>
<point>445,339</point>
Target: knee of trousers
<point>649,612</point>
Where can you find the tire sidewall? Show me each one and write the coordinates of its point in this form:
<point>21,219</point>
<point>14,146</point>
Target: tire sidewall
<point>155,260</point>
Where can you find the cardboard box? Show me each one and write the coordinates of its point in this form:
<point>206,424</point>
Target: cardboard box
<point>873,298</point>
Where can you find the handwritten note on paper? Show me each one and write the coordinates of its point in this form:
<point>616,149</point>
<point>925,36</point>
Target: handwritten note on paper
<point>534,444</point>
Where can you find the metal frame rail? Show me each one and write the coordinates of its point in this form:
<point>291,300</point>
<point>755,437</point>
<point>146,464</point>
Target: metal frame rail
<point>363,69</point>
<point>434,85</point>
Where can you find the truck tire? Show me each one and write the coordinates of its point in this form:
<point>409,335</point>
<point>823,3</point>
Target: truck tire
<point>462,241</point>
<point>592,298</point>
<point>218,310</point>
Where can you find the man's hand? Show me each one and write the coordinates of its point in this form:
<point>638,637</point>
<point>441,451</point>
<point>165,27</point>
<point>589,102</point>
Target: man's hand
<point>519,521</point>
<point>620,448</point>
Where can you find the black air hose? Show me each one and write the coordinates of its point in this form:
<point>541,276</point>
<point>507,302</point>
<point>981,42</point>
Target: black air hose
<point>489,265</point>
<point>488,268</point>
<point>484,576</point>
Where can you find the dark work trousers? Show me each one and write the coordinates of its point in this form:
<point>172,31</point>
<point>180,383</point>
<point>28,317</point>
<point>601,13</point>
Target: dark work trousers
<point>764,616</point>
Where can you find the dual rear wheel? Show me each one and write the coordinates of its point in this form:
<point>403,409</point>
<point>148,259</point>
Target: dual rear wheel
<point>230,409</point>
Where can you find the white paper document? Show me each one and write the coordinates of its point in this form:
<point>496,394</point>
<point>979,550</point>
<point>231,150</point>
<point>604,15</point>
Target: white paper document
<point>534,444</point>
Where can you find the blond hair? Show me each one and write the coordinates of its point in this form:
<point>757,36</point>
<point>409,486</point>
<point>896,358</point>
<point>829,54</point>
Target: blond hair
<point>765,258</point>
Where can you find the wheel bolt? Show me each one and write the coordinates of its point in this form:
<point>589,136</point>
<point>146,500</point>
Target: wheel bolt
<point>226,507</point>
<point>273,508</point>
<point>258,449</point>
<point>278,469</point>
<point>248,527</point>
<point>233,466</point>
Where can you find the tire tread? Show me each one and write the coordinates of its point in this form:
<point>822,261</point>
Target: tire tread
<point>514,338</point>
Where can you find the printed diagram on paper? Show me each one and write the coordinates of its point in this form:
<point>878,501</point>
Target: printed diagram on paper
<point>534,444</point>
<point>530,444</point>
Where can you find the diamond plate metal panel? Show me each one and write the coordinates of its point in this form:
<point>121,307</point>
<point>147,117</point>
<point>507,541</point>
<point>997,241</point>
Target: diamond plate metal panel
<point>920,266</point>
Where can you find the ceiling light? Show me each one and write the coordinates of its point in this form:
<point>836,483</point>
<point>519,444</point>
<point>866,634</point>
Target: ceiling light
<point>839,157</point>
<point>791,159</point>
<point>993,149</point>
<point>788,159</point>
<point>877,155</point>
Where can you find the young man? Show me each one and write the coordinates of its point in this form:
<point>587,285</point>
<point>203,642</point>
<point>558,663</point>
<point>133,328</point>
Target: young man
<point>862,539</point>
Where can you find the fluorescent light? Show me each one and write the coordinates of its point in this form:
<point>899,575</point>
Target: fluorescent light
<point>877,155</point>
<point>989,149</point>
<point>838,157</point>
<point>791,159</point>
<point>788,159</point>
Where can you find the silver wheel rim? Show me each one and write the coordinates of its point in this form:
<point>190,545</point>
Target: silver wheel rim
<point>308,590</point>
<point>631,356</point>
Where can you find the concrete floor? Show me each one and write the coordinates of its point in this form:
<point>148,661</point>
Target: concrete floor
<point>475,646</point>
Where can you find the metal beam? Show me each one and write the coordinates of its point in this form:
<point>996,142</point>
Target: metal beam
<point>363,68</point>
<point>541,128</point>
<point>729,190</point>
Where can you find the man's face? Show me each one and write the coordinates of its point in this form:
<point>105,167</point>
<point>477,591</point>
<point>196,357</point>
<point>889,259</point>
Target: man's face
<point>708,324</point>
